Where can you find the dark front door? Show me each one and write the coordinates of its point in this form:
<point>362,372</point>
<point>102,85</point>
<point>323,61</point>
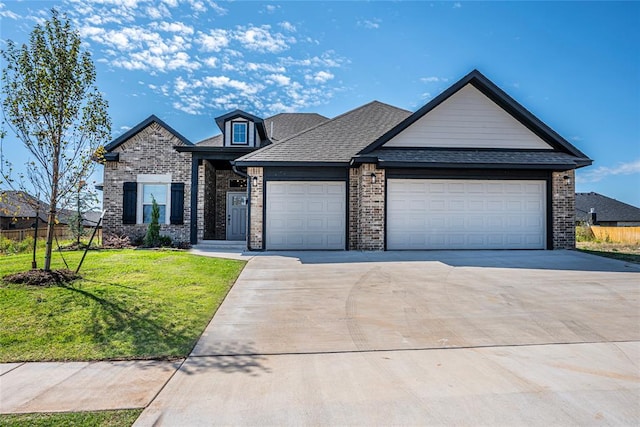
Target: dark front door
<point>236,216</point>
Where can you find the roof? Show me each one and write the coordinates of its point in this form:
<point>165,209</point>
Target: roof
<point>473,158</point>
<point>333,141</point>
<point>606,208</point>
<point>278,127</point>
<point>20,204</point>
<point>141,126</point>
<point>284,125</point>
<point>497,95</point>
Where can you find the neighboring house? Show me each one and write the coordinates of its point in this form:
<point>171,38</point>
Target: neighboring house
<point>596,209</point>
<point>472,169</point>
<point>18,211</point>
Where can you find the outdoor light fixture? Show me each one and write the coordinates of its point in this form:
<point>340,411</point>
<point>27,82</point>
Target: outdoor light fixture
<point>255,181</point>
<point>373,177</point>
<point>567,179</point>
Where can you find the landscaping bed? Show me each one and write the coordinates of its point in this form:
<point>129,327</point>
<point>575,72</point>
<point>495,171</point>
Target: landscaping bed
<point>128,304</point>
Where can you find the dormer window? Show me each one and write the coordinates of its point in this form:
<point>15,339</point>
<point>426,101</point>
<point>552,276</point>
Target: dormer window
<point>239,133</point>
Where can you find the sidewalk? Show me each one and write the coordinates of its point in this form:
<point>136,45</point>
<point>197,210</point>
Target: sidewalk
<point>82,386</point>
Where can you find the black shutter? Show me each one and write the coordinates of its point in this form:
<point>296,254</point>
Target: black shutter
<point>177,203</point>
<point>129,202</point>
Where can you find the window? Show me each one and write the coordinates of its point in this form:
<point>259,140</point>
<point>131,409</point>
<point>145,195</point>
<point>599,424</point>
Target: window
<point>150,192</point>
<point>239,133</point>
<point>149,187</point>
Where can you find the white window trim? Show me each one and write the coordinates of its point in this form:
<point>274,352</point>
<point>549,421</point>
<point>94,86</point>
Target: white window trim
<point>246,132</point>
<point>158,179</point>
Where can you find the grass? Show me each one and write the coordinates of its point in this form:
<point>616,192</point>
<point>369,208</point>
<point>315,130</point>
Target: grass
<point>130,304</point>
<point>121,418</point>
<point>622,251</point>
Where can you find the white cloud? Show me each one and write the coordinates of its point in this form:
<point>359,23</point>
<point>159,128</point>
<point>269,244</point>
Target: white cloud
<point>174,27</point>
<point>457,5</point>
<point>214,41</point>
<point>261,39</point>
<point>270,8</point>
<point>433,79</point>
<point>7,13</point>
<point>288,26</point>
<point>279,79</point>
<point>601,172</point>
<point>211,61</point>
<point>370,24</point>
<point>320,77</point>
<point>217,8</point>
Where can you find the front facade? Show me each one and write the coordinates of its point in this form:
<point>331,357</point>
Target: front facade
<point>472,169</point>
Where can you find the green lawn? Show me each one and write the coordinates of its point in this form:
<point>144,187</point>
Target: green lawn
<point>129,304</point>
<point>122,418</point>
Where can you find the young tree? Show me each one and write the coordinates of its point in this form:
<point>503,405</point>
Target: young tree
<point>52,104</point>
<point>152,237</point>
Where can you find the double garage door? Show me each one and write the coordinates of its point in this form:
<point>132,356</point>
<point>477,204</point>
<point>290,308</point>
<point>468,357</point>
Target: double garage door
<point>465,214</point>
<point>421,214</point>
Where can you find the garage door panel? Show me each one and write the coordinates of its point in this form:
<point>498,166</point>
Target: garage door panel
<point>313,217</point>
<point>470,214</point>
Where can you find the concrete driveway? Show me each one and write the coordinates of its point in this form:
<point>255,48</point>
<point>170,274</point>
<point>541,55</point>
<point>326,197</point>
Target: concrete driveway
<point>414,338</point>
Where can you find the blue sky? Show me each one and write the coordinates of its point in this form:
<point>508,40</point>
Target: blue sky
<point>575,65</point>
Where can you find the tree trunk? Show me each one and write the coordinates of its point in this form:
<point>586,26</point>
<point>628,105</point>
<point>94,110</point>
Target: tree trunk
<point>52,211</point>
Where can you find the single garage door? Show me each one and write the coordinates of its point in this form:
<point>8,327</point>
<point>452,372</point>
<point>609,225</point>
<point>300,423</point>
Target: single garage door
<point>465,214</point>
<point>305,215</point>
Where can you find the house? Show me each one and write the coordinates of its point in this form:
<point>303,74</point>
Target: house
<point>19,210</point>
<point>596,209</point>
<point>472,169</point>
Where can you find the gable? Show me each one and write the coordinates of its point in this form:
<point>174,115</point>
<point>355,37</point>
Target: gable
<point>468,119</point>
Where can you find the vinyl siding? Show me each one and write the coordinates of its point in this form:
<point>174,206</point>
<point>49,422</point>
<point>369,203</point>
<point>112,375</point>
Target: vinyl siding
<point>468,119</point>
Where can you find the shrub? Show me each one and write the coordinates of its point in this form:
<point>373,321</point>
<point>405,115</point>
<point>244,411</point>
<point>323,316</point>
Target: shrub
<point>10,247</point>
<point>112,241</point>
<point>164,241</point>
<point>584,233</point>
<point>152,238</point>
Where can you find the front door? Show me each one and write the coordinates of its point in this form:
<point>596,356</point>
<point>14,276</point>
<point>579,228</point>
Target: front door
<point>236,216</point>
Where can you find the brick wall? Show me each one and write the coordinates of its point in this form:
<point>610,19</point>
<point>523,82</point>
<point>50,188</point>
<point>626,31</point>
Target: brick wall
<point>148,152</point>
<point>255,233</point>
<point>563,209</point>
<point>366,204</point>
<point>209,197</point>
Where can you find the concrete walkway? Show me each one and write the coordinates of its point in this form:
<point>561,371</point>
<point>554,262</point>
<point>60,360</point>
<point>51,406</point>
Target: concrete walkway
<point>351,338</point>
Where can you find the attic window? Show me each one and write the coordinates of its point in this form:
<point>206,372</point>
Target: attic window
<point>239,133</point>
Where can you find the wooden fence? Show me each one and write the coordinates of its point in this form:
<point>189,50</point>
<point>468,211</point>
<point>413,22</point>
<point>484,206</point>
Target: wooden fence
<point>616,234</point>
<point>61,232</point>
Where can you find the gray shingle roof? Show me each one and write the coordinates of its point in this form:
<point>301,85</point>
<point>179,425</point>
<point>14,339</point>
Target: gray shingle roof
<point>606,208</point>
<point>214,141</point>
<point>470,157</point>
<point>278,127</point>
<point>334,141</point>
<point>285,125</point>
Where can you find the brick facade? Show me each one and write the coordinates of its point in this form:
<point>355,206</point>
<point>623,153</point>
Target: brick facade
<point>366,208</point>
<point>148,152</point>
<point>563,209</point>
<point>257,192</point>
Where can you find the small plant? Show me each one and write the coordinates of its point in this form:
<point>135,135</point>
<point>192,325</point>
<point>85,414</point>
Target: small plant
<point>152,238</point>
<point>584,233</point>
<point>165,241</point>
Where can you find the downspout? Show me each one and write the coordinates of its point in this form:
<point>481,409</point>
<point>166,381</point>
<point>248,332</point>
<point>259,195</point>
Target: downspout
<point>248,178</point>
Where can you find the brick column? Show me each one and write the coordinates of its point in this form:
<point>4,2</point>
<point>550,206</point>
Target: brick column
<point>369,200</point>
<point>563,210</point>
<point>257,191</point>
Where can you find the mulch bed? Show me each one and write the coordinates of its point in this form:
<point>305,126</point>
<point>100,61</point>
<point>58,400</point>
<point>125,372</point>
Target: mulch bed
<point>42,278</point>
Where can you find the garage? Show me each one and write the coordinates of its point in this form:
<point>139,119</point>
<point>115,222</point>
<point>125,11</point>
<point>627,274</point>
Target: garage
<point>304,215</point>
<point>466,214</point>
